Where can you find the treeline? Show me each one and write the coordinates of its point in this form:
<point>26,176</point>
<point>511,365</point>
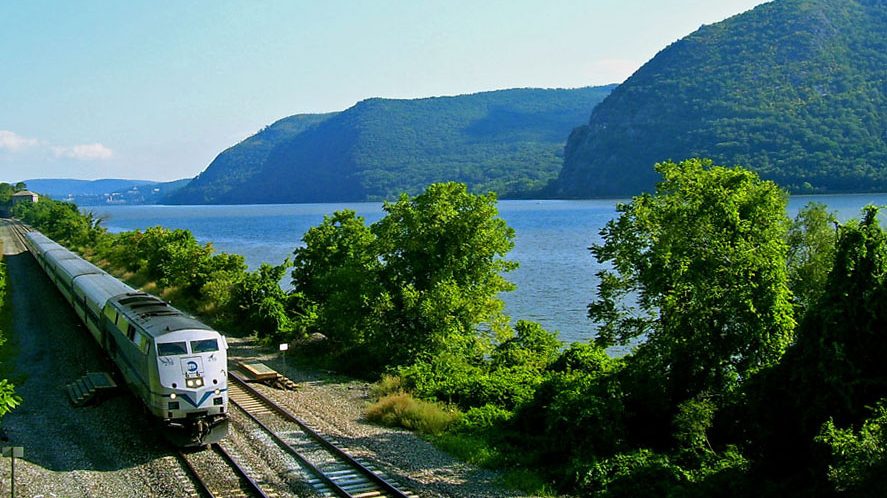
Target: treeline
<point>757,367</point>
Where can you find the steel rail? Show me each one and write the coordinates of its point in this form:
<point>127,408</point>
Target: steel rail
<point>251,483</point>
<point>373,477</point>
<point>241,473</point>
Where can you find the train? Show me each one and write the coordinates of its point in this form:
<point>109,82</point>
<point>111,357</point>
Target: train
<point>174,364</point>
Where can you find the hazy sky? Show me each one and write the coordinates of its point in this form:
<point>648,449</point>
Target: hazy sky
<point>156,89</point>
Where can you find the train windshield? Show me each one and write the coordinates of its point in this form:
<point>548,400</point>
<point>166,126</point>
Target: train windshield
<point>171,348</point>
<point>204,346</point>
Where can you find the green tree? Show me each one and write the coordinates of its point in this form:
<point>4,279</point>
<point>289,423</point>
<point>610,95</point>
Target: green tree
<point>337,269</point>
<point>699,267</point>
<point>442,256</point>
<point>61,221</point>
<point>811,253</point>
<point>259,306</point>
<point>422,280</point>
<point>6,191</point>
<point>838,368</point>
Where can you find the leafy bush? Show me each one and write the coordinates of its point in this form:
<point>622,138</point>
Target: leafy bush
<point>860,456</point>
<point>639,473</point>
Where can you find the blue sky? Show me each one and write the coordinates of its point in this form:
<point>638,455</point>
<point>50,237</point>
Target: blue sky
<point>155,90</point>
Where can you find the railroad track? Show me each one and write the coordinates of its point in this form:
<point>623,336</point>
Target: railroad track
<point>218,474</point>
<point>336,473</point>
<point>18,230</point>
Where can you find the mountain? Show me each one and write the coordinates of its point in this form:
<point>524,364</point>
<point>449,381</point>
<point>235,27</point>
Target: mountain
<point>794,89</point>
<point>236,167</point>
<point>509,141</point>
<point>106,191</point>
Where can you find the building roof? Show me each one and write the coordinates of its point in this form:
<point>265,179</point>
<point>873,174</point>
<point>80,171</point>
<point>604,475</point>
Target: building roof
<point>22,193</point>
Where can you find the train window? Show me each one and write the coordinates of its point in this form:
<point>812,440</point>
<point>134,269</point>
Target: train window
<point>131,333</point>
<point>171,348</point>
<point>141,342</point>
<point>204,346</point>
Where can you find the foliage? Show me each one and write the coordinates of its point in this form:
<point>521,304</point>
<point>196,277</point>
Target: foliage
<point>699,268</point>
<point>507,141</point>
<point>174,258</point>
<point>8,399</point>
<point>338,269</point>
<point>581,389</point>
<point>258,304</point>
<point>833,371</point>
<point>811,253</point>
<point>692,422</point>
<point>532,347</point>
<point>841,346</point>
<point>638,473</point>
<point>442,255</point>
<point>61,221</point>
<point>217,284</point>
<point>792,89</point>
<point>423,280</point>
<point>860,467</point>
<point>6,191</point>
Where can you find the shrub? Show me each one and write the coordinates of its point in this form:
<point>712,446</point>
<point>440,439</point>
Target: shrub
<point>402,410</point>
<point>387,384</point>
<point>639,473</point>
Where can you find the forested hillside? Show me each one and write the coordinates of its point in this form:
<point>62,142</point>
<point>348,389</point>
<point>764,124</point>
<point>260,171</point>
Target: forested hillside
<point>794,89</point>
<point>234,168</point>
<point>507,141</point>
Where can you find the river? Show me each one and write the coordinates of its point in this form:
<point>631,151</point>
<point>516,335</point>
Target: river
<point>555,280</point>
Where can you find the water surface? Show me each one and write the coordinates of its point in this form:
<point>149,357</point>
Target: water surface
<point>555,280</point>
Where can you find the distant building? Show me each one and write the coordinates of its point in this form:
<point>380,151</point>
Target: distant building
<point>24,196</point>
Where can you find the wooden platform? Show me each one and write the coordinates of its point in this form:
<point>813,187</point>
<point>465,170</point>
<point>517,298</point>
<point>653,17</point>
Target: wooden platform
<point>258,372</point>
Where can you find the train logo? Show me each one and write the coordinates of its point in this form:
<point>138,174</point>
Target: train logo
<point>192,366</point>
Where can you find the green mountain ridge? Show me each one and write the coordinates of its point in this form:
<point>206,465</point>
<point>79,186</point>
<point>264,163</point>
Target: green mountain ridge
<point>235,167</point>
<point>508,141</point>
<point>793,89</point>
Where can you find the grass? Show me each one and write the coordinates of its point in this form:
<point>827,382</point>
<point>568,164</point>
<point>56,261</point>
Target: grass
<point>388,384</point>
<point>396,408</point>
<point>402,410</point>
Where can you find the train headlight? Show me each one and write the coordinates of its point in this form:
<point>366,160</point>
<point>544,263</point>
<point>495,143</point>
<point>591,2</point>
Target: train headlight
<point>172,396</point>
<point>194,383</point>
<point>218,392</point>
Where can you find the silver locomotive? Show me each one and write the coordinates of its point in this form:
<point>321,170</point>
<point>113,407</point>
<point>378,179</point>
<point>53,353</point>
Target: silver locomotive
<point>176,365</point>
